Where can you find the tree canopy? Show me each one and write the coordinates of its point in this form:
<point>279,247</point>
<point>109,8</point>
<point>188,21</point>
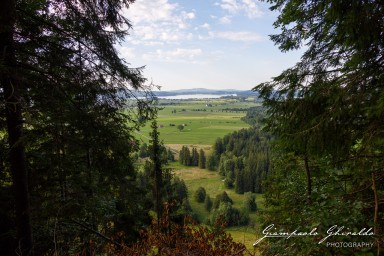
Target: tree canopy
<point>68,109</point>
<point>327,114</point>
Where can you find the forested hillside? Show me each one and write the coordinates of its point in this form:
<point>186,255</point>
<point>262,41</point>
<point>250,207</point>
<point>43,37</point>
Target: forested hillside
<point>326,114</point>
<point>244,158</point>
<point>76,180</point>
<point>67,176</point>
<point>70,180</point>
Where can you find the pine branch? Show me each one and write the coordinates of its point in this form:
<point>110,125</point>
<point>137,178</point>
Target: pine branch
<point>97,233</point>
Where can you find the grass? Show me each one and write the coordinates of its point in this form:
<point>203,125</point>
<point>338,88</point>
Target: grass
<point>201,130</point>
<point>201,127</point>
<point>213,184</point>
<point>244,235</point>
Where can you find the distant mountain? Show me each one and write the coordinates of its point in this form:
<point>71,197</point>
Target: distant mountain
<point>204,91</point>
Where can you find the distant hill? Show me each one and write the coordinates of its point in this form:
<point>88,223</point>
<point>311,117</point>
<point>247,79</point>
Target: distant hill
<point>204,91</point>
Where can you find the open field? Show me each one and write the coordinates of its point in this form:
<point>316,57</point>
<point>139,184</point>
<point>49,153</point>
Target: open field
<point>204,120</point>
<point>211,181</point>
<point>246,236</point>
<point>213,184</point>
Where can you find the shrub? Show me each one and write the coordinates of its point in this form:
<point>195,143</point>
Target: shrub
<point>250,202</point>
<point>200,194</point>
<point>223,197</point>
<point>208,203</point>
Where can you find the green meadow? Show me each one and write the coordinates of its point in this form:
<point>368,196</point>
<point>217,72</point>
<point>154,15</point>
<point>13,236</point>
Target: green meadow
<point>214,185</point>
<point>204,121</point>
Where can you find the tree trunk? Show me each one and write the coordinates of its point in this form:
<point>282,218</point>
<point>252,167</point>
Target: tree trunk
<point>17,159</point>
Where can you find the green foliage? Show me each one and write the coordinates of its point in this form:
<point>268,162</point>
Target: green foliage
<point>202,159</point>
<point>156,150</point>
<point>250,202</point>
<point>255,116</point>
<point>218,147</point>
<point>220,198</point>
<point>180,189</point>
<point>228,181</point>
<point>239,181</point>
<point>325,114</point>
<point>208,203</point>
<point>212,162</point>
<point>194,157</point>
<point>77,135</point>
<point>200,194</point>
<point>170,155</point>
<point>231,215</point>
<point>143,151</point>
<point>185,157</point>
<point>224,211</point>
<point>203,127</point>
<point>245,162</point>
<point>188,158</point>
<point>180,127</point>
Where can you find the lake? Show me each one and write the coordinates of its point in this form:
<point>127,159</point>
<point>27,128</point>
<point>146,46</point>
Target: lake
<point>194,96</point>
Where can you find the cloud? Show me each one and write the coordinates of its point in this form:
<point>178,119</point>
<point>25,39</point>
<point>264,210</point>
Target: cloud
<point>249,7</point>
<point>252,10</point>
<point>230,5</point>
<point>126,52</point>
<point>158,34</point>
<point>243,36</point>
<point>157,21</point>
<point>176,55</point>
<point>150,11</point>
<point>206,26</point>
<point>225,20</point>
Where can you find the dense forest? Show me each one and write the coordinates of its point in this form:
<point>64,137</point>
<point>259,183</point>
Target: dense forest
<point>254,116</point>
<point>74,180</point>
<point>67,172</point>
<point>244,159</point>
<point>192,157</point>
<point>69,179</point>
<point>326,114</point>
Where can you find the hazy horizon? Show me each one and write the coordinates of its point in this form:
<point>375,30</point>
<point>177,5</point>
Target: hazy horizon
<point>200,88</point>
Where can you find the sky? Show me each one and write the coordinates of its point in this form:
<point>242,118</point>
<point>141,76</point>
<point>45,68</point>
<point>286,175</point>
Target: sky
<point>213,44</point>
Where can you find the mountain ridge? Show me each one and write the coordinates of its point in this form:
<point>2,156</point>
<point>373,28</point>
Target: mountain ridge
<point>203,91</point>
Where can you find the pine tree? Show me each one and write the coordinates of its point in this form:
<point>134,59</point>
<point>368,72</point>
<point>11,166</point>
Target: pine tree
<point>239,181</point>
<point>194,157</point>
<point>78,141</point>
<point>11,88</point>
<point>180,189</point>
<point>202,159</point>
<point>250,202</point>
<point>200,194</point>
<point>218,147</point>
<point>157,172</point>
<point>182,155</point>
<point>212,163</point>
<point>326,111</point>
<point>187,157</point>
<point>170,155</point>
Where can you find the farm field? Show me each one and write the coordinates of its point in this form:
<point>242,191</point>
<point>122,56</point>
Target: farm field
<point>204,120</point>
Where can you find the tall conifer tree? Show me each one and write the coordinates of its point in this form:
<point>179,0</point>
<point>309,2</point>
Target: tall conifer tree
<point>64,88</point>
